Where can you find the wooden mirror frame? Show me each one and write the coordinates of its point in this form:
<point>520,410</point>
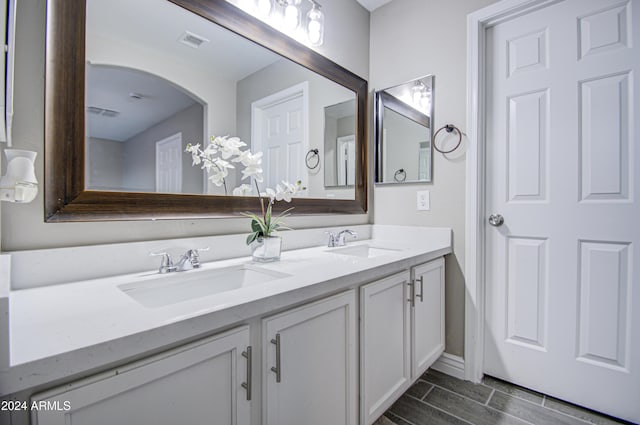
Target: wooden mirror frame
<point>66,198</point>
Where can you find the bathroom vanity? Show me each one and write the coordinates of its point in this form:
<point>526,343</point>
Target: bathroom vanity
<point>326,335</point>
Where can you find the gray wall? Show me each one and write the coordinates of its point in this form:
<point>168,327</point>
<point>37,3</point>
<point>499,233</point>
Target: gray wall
<point>436,44</point>
<point>140,152</point>
<point>23,227</point>
<point>105,163</point>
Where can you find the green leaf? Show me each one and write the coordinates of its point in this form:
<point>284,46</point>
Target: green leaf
<point>256,225</point>
<point>252,237</point>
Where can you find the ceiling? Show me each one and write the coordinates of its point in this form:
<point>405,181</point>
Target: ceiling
<point>371,5</point>
<point>224,54</point>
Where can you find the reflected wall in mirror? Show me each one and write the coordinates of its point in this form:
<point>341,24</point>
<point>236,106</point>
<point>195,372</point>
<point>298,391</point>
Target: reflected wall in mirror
<point>339,145</point>
<point>195,69</point>
<point>403,132</point>
<point>158,88</point>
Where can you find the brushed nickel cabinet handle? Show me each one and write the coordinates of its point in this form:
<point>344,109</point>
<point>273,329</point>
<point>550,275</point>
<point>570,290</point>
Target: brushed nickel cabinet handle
<point>421,294</point>
<point>247,385</point>
<point>277,369</point>
<point>412,293</point>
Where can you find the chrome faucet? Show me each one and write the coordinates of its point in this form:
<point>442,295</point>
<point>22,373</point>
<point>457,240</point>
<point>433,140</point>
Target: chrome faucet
<point>189,260</point>
<point>339,239</point>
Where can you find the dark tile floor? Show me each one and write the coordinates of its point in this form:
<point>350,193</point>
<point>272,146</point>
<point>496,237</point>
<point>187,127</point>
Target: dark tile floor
<point>439,399</point>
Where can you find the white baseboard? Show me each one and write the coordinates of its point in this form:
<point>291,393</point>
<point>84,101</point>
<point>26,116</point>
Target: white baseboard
<point>450,365</point>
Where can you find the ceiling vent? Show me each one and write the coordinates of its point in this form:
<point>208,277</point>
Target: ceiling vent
<point>192,40</point>
<point>109,113</point>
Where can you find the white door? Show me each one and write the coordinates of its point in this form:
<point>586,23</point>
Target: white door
<point>201,383</point>
<point>169,154</point>
<point>563,271</point>
<point>385,344</point>
<point>279,132</point>
<point>309,364</point>
<point>346,161</point>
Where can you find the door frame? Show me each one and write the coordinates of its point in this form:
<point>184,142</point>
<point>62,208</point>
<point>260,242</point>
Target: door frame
<point>477,24</point>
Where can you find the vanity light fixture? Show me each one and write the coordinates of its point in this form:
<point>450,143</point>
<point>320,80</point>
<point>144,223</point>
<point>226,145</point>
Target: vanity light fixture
<point>286,15</point>
<point>19,184</point>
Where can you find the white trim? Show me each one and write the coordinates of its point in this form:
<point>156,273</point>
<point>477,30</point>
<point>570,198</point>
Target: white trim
<point>477,23</point>
<point>450,365</point>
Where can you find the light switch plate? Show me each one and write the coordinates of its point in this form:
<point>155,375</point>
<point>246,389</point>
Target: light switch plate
<point>424,203</point>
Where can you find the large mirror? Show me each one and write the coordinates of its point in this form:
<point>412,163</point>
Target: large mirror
<point>404,132</point>
<point>128,103</point>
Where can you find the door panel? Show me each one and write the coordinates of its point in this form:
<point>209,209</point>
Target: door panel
<point>562,272</point>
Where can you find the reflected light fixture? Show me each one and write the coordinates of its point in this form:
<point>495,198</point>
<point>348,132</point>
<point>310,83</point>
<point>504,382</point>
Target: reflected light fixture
<point>291,14</point>
<point>418,92</point>
<point>264,8</point>
<point>315,24</point>
<point>286,15</point>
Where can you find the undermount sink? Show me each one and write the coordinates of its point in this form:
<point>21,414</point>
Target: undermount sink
<point>170,289</point>
<point>365,251</point>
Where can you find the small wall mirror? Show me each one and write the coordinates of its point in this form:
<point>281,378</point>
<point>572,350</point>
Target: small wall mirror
<point>404,133</point>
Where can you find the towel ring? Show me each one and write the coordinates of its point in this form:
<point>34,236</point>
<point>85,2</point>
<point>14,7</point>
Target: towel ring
<point>449,128</point>
<point>400,175</point>
<point>312,158</point>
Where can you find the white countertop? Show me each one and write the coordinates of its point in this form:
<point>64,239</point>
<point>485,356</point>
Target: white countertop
<point>65,329</point>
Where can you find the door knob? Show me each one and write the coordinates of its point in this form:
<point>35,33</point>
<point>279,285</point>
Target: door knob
<point>496,220</point>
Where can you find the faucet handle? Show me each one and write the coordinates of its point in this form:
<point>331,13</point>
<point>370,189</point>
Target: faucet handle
<point>166,265</point>
<point>332,239</point>
<point>194,256</point>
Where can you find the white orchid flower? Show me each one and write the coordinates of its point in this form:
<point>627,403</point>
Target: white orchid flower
<point>282,192</point>
<point>271,194</point>
<point>252,164</point>
<point>242,190</point>
<point>231,147</point>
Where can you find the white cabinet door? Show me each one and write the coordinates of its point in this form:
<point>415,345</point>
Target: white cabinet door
<point>309,364</point>
<point>427,316</point>
<point>385,370</point>
<point>200,383</point>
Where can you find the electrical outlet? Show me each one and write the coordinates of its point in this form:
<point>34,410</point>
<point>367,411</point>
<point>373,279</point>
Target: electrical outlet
<point>424,204</point>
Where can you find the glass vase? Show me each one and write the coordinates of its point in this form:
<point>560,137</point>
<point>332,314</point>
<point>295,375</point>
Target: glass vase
<point>266,249</point>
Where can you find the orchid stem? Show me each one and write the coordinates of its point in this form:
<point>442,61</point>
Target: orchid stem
<point>264,215</point>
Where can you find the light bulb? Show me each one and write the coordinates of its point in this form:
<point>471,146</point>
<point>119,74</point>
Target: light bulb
<point>291,16</point>
<point>264,7</point>
<point>315,25</point>
<point>246,5</point>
